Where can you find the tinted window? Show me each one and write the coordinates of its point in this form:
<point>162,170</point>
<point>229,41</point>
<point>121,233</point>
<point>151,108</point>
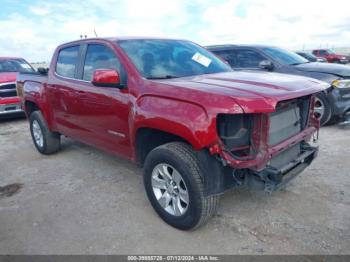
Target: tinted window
<point>308,56</point>
<point>99,57</point>
<point>285,57</point>
<point>67,61</point>
<point>15,65</point>
<point>229,56</point>
<point>323,52</point>
<point>155,58</point>
<point>248,59</point>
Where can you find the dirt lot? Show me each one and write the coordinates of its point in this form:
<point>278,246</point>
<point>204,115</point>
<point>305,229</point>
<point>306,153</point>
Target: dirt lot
<point>82,200</point>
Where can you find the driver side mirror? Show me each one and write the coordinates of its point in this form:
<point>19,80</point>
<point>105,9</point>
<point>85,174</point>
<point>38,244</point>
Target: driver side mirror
<point>266,64</point>
<point>106,78</point>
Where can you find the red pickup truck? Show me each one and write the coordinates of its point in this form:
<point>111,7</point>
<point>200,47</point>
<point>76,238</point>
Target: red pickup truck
<point>331,56</point>
<point>9,68</point>
<point>197,127</point>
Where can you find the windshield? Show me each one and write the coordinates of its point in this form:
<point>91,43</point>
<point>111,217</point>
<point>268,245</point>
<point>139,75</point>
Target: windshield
<point>330,51</point>
<point>285,57</point>
<point>158,59</point>
<point>15,65</point>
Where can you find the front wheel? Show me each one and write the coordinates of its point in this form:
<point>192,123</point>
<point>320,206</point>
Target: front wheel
<point>174,186</point>
<point>322,109</point>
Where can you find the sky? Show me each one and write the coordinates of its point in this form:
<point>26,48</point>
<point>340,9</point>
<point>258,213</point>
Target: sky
<point>33,28</point>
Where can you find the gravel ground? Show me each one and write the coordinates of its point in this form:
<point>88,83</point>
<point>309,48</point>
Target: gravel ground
<point>84,201</point>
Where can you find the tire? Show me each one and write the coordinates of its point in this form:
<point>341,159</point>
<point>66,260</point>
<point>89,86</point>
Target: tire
<point>45,141</point>
<point>322,109</point>
<point>178,159</point>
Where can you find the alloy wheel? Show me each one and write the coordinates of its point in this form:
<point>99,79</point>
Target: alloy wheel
<point>170,189</point>
<point>38,134</point>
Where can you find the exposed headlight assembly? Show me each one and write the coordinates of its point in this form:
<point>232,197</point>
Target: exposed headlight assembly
<point>341,83</point>
<point>236,133</point>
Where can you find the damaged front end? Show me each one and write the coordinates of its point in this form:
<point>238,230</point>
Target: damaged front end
<point>266,150</point>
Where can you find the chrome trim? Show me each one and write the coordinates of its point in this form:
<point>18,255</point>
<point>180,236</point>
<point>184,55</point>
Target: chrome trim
<point>116,133</point>
<point>3,110</point>
<point>8,83</point>
<point>69,78</point>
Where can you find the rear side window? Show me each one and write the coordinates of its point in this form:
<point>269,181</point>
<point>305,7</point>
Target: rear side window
<point>248,59</point>
<point>99,57</point>
<point>67,61</point>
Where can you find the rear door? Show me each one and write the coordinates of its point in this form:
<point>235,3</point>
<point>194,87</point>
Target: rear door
<point>61,91</point>
<point>103,111</point>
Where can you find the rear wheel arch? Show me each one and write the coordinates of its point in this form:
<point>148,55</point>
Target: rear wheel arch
<point>45,141</point>
<point>30,107</point>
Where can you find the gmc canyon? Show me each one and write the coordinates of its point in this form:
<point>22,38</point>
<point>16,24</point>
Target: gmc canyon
<point>196,127</point>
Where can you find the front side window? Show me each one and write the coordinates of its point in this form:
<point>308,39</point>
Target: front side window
<point>285,57</point>
<point>99,57</point>
<point>67,61</point>
<point>158,59</point>
<point>248,59</point>
<point>15,65</point>
<point>228,55</point>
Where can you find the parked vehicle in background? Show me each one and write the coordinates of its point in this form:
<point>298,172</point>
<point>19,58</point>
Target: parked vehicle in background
<point>331,105</point>
<point>311,58</point>
<point>331,56</point>
<point>9,101</point>
<point>197,127</point>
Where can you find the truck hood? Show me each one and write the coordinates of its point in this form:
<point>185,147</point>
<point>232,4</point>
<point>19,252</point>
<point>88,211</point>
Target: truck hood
<point>253,91</point>
<point>335,69</point>
<point>8,77</point>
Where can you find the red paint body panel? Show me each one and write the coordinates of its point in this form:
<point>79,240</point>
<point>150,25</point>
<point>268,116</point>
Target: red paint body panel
<point>10,100</point>
<point>8,77</point>
<point>109,118</point>
<point>331,58</point>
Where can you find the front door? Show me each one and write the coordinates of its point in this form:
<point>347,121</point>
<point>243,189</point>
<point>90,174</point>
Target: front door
<point>103,111</point>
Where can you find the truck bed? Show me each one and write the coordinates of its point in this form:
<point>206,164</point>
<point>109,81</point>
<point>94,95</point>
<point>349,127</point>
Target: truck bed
<point>33,77</point>
<point>30,82</point>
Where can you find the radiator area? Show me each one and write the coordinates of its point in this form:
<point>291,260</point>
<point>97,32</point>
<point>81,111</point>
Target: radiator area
<point>288,120</point>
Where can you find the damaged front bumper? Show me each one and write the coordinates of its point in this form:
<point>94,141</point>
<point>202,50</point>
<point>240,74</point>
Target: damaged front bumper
<point>271,178</point>
<point>278,148</point>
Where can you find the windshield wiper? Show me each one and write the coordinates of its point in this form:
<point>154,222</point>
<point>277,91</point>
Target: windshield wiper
<point>162,77</point>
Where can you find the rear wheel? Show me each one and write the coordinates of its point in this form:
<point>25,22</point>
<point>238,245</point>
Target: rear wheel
<point>45,141</point>
<point>322,109</point>
<point>175,188</point>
